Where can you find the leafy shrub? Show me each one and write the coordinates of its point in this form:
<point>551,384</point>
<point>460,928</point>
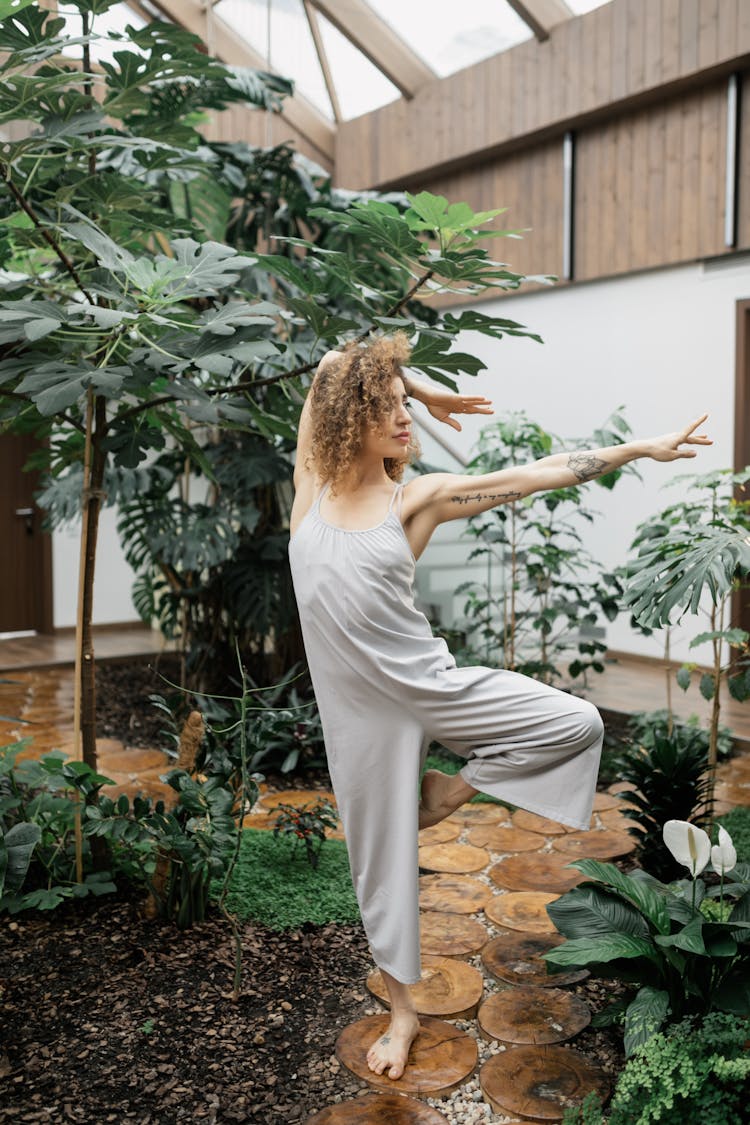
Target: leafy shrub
<point>635,929</point>
<point>669,774</point>
<point>307,823</point>
<point>533,610</point>
<point>38,809</point>
<point>645,725</point>
<point>696,1073</point>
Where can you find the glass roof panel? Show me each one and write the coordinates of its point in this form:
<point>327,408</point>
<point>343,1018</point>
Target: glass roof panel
<point>448,44</point>
<point>292,50</point>
<point>360,86</point>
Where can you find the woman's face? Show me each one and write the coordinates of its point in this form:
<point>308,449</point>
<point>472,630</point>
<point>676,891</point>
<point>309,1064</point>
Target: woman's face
<point>392,438</point>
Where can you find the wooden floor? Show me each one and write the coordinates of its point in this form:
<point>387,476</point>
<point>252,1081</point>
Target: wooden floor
<point>631,684</point>
<point>58,649</point>
<point>628,685</point>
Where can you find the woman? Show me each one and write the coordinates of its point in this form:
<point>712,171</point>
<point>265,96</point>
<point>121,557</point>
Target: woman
<point>385,686</point>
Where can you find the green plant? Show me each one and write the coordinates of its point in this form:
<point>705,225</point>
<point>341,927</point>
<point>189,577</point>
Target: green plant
<point>737,824</point>
<point>644,726</point>
<point>269,886</point>
<point>589,1112</point>
<point>693,550</point>
<point>307,823</point>
<point>671,783</point>
<point>38,804</point>
<point>534,608</point>
<point>698,1071</point>
<point>636,929</point>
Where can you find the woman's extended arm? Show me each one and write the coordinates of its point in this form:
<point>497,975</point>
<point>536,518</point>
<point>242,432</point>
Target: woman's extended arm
<point>450,496</point>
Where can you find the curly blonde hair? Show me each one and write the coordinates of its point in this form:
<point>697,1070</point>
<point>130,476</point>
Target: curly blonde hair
<point>353,392</point>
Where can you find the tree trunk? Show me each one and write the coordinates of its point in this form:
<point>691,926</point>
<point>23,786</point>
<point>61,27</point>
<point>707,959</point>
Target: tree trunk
<point>91,509</point>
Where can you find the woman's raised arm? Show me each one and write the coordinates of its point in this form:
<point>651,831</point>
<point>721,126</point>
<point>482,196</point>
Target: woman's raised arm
<point>451,496</point>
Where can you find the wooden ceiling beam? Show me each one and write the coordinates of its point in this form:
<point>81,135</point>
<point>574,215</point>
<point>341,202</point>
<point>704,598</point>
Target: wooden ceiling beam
<point>230,48</point>
<point>541,15</point>
<point>377,40</point>
<point>320,50</point>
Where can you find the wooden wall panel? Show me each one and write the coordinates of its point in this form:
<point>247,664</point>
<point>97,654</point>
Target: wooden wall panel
<point>615,59</point>
<point>530,186</point>
<point>649,186</point>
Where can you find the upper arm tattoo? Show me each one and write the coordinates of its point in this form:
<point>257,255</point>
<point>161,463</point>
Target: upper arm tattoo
<point>496,496</point>
<point>586,466</point>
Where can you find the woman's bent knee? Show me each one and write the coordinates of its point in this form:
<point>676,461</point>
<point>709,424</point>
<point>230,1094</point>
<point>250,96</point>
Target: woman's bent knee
<point>590,725</point>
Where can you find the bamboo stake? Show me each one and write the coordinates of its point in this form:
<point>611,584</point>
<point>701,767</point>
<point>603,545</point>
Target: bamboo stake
<point>77,747</point>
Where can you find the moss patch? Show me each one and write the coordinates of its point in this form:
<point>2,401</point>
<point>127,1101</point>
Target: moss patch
<point>737,824</point>
<point>274,886</point>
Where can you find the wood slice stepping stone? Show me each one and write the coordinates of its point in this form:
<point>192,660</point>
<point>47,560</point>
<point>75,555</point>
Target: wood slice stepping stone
<point>517,959</point>
<point>536,872</point>
<point>604,801</point>
<point>135,760</point>
<point>295,797</point>
<point>453,859</point>
<point>615,819</point>
<point>450,935</point>
<point>448,988</point>
<point>439,833</point>
<point>532,822</point>
<point>484,812</point>
<point>526,1014</point>
<point>602,843</point>
<point>440,1059</point>
<point>522,910</point>
<point>540,1082</point>
<point>499,838</point>
<point>454,894</point>
<point>379,1109</point>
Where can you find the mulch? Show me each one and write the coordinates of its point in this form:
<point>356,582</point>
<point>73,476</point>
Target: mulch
<point>108,1017</point>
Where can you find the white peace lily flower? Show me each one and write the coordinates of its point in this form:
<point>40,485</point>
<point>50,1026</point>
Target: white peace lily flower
<point>723,854</point>
<point>689,845</point>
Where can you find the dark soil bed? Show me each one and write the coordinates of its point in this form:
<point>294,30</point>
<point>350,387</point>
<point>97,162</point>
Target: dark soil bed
<point>110,1018</point>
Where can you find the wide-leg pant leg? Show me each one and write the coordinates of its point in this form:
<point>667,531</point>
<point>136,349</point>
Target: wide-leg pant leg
<point>374,767</point>
<point>527,743</point>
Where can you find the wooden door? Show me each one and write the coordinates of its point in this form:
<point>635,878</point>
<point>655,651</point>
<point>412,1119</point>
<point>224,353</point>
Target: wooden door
<point>741,601</point>
<point>25,550</point>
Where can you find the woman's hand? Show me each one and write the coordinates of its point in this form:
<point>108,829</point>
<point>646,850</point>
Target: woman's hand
<point>442,404</point>
<point>667,447</point>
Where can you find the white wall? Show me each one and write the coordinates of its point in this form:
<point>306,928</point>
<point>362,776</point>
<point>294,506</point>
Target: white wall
<point>661,343</point>
<point>113,579</point>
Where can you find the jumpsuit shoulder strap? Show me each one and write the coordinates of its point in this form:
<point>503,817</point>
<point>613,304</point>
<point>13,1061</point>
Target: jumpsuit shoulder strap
<point>319,497</point>
<point>397,499</point>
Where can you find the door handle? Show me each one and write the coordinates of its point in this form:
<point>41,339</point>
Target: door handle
<point>28,515</point>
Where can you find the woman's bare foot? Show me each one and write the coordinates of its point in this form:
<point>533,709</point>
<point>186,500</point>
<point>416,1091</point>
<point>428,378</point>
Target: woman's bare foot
<point>442,794</point>
<point>390,1052</point>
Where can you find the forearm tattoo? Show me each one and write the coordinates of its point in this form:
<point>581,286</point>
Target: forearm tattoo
<point>586,466</point>
<point>496,496</point>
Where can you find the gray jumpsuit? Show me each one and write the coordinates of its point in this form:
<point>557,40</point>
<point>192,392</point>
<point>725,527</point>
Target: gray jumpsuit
<point>385,687</point>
